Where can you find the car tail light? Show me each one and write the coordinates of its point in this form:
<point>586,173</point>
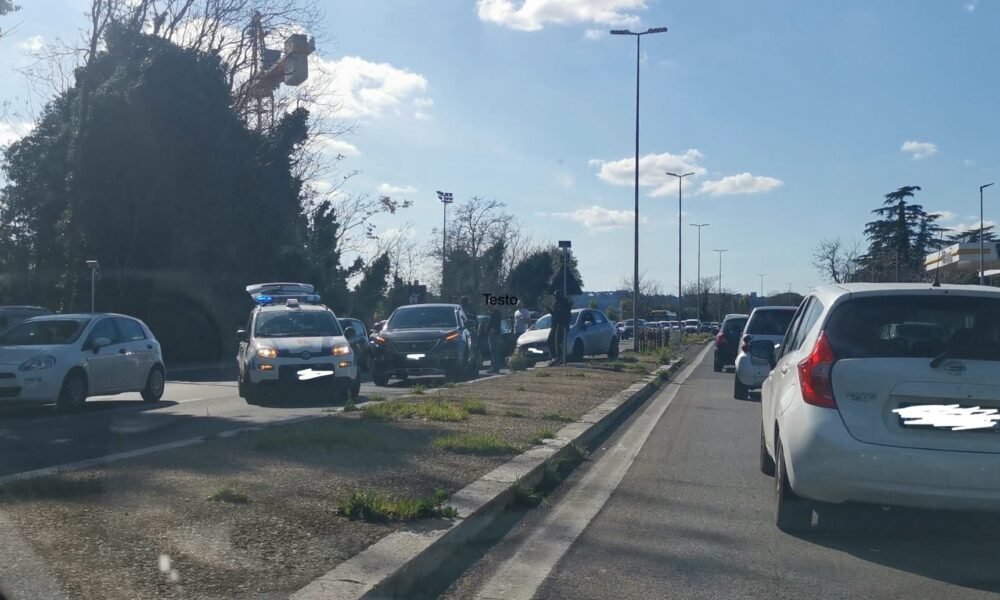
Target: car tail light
<point>746,343</point>
<point>720,340</point>
<point>451,336</point>
<point>814,375</point>
<point>379,340</point>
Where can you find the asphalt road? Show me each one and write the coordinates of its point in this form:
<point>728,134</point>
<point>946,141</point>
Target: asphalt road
<point>692,517</point>
<point>35,437</point>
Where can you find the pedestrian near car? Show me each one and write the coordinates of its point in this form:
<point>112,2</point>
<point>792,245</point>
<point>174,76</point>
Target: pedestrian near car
<point>561,311</point>
<point>522,318</point>
<point>493,332</point>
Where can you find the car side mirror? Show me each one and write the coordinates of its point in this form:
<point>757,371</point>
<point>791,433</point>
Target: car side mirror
<point>241,335</point>
<point>763,350</point>
<point>350,333</point>
<point>99,343</point>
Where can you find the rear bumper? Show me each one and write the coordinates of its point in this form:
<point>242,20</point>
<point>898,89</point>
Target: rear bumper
<point>825,463</point>
<point>398,364</point>
<point>751,373</point>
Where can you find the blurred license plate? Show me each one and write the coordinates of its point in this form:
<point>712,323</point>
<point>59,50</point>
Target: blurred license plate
<point>415,356</point>
<point>535,351</point>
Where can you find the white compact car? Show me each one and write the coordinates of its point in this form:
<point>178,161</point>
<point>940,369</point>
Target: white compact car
<point>765,323</point>
<point>692,326</point>
<point>590,333</point>
<point>885,394</point>
<point>293,343</point>
<point>66,358</point>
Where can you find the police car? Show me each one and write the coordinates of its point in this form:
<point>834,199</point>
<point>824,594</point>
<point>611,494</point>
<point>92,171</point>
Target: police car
<point>293,343</point>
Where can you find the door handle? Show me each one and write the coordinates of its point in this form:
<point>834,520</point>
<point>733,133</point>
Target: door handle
<point>784,369</point>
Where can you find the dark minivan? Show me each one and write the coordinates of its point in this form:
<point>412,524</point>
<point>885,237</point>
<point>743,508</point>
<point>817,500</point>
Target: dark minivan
<point>727,342</point>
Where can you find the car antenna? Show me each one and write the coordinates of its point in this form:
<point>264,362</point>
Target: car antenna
<point>937,271</point>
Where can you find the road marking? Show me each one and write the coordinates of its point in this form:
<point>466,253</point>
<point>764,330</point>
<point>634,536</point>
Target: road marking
<point>520,577</point>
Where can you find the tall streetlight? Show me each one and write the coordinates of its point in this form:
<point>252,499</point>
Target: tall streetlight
<point>446,199</point>
<point>981,229</point>
<point>680,201</point>
<point>720,281</point>
<point>635,273</point>
<point>699,226</point>
<point>94,266</point>
<point>761,284</point>
<point>789,286</point>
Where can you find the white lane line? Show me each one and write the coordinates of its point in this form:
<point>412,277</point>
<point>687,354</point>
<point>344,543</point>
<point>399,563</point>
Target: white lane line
<point>520,577</point>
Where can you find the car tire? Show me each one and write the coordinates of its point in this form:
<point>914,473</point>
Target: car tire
<point>252,395</point>
<point>577,354</point>
<point>155,384</point>
<point>380,379</point>
<point>740,391</point>
<point>342,392</point>
<point>717,366</point>
<point>766,460</point>
<point>791,513</point>
<point>73,393</point>
<point>613,350</point>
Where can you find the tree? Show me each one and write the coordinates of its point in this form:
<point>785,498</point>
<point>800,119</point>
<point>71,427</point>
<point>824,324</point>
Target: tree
<point>612,313</point>
<point>478,234</point>
<point>6,7</point>
<point>900,238</point>
<point>530,278</point>
<point>971,236</point>
<point>648,288</point>
<point>371,290</point>
<point>836,260</point>
<point>574,282</point>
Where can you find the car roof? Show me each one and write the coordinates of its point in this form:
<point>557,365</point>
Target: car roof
<point>302,307</point>
<point>437,304</point>
<point>22,307</point>
<point>833,292</point>
<point>766,308</point>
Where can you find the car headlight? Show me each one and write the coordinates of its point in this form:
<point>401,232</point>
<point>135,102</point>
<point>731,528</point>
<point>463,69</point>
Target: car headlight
<point>266,352</point>
<point>341,350</point>
<point>37,363</point>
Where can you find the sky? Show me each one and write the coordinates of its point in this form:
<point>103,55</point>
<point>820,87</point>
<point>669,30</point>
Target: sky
<point>794,117</point>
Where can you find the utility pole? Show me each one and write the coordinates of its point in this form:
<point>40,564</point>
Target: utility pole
<point>635,273</point>
<point>699,226</point>
<point>720,280</point>
<point>565,245</point>
<point>94,266</point>
<point>982,246</point>
<point>762,285</point>
<point>680,198</point>
<point>446,199</point>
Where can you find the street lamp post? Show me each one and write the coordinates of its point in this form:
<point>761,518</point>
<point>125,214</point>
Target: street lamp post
<point>720,281</point>
<point>565,245</point>
<point>981,230</point>
<point>446,199</point>
<point>635,273</point>
<point>680,198</point>
<point>94,266</point>
<point>762,285</point>
<point>699,226</point>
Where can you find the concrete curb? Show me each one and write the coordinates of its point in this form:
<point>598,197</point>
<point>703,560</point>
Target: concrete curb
<point>395,565</point>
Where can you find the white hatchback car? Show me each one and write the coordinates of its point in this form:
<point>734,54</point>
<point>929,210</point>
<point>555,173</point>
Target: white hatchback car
<point>765,323</point>
<point>65,358</point>
<point>885,394</point>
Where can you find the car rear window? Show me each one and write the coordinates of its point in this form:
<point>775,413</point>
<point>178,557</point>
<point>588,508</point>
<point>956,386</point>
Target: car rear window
<point>916,326</point>
<point>770,322</point>
<point>734,326</point>
<point>423,317</point>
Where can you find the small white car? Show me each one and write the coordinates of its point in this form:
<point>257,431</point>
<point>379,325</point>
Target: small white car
<point>292,343</point>
<point>765,323</point>
<point>66,358</point>
<point>859,406</point>
<point>692,326</point>
<point>590,333</point>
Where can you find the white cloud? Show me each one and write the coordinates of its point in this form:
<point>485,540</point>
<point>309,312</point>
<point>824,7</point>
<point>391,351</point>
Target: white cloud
<point>919,150</point>
<point>744,183</point>
<point>945,216</point>
<point>969,162</point>
<point>598,218</point>
<point>533,15</point>
<point>11,132</point>
<point>565,181</point>
<point>352,87</point>
<point>593,34</point>
<point>337,146</point>
<point>653,170</point>
<point>971,6</point>
<point>390,190</point>
<point>32,44</point>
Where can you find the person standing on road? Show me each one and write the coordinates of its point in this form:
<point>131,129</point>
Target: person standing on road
<point>560,326</point>
<point>494,332</point>
<point>522,316</point>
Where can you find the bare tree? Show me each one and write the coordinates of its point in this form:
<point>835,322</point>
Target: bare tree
<point>836,260</point>
<point>647,286</point>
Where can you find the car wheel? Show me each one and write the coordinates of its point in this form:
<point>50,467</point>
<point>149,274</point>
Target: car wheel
<point>356,387</point>
<point>791,513</point>
<point>154,385</point>
<point>613,350</point>
<point>342,392</point>
<point>380,379</point>
<point>740,391</point>
<point>73,393</point>
<point>577,354</point>
<point>766,461</point>
<point>252,395</point>
<point>717,367</point>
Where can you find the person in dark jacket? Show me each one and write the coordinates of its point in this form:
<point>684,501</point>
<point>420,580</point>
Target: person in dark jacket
<point>494,332</point>
<point>561,312</point>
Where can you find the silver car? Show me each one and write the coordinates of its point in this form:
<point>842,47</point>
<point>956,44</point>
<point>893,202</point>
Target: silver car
<point>590,333</point>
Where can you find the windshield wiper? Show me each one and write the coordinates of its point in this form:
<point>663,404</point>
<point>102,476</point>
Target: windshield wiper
<point>940,358</point>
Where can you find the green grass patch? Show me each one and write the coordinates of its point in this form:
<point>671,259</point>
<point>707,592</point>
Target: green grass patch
<point>521,388</point>
<point>576,374</point>
<point>543,374</point>
<point>525,496</point>
<point>474,406</point>
<point>640,369</point>
<point>351,406</point>
<point>448,385</point>
<point>518,363</point>
<point>418,389</point>
<point>557,417</point>
<point>514,414</point>
<point>434,410</point>
<point>616,365</point>
<point>377,398</point>
<point>378,507</point>
<point>541,436</point>
<point>484,444</point>
<point>229,495</point>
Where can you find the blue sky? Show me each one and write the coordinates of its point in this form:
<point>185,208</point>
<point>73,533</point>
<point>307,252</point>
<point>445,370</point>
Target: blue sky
<point>795,116</point>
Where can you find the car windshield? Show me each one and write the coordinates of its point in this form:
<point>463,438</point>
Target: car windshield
<point>44,332</point>
<point>423,317</point>
<point>770,322</point>
<point>313,323</point>
<point>916,326</point>
<point>544,322</point>
<point>733,327</point>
